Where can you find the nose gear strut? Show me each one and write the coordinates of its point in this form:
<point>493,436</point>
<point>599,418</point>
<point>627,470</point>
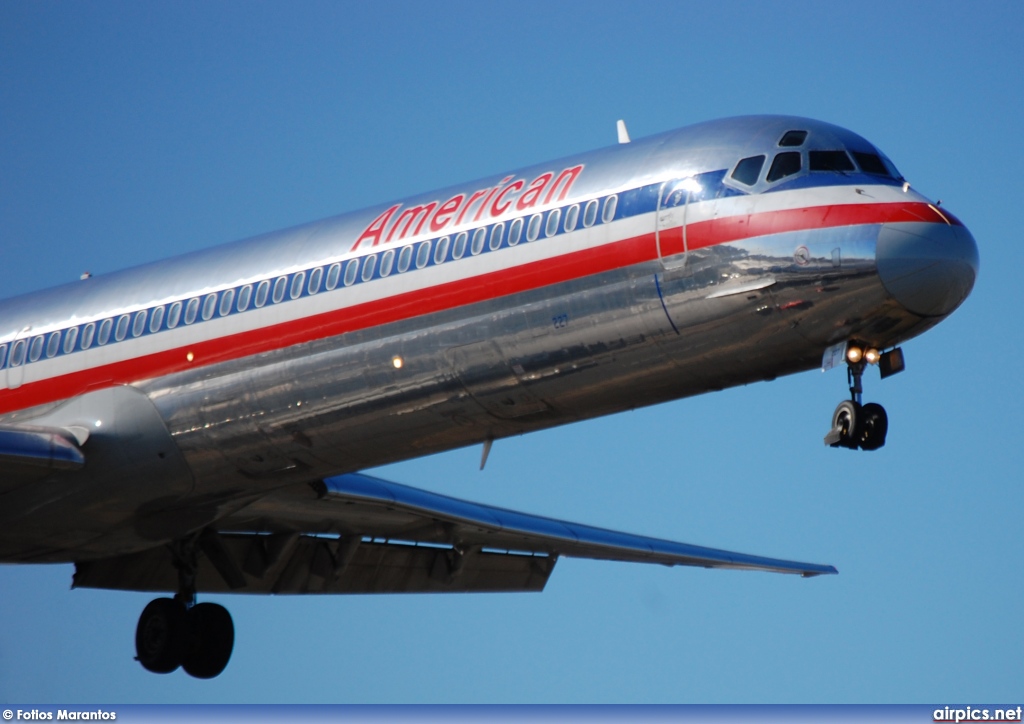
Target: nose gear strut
<point>854,424</point>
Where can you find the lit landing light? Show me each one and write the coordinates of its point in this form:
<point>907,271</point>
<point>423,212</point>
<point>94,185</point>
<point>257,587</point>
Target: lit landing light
<point>397,362</point>
<point>190,357</point>
<point>855,354</point>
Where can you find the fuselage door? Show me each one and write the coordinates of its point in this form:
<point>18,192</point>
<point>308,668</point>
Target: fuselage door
<point>670,229</point>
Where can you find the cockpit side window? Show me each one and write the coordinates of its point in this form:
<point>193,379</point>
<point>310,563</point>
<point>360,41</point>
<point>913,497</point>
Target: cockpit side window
<point>871,163</point>
<point>830,161</point>
<point>791,139</point>
<point>784,164</point>
<point>748,170</point>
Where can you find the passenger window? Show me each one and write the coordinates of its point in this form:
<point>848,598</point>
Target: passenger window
<point>191,310</point>
<point>496,233</point>
<point>3,355</point>
<point>830,161</point>
<point>315,278</point>
<point>441,251</point>
<point>386,262</point>
<point>103,336</point>
<point>298,281</point>
<point>515,231</point>
<point>69,341</point>
<point>748,170</point>
<point>791,139</point>
<point>478,241</point>
<point>262,290</point>
<point>36,349</point>
<point>244,297</point>
<point>533,228</point>
<point>459,250</point>
<point>785,164</point>
<point>369,266</point>
<point>18,353</point>
<point>590,213</point>
<point>139,325</point>
<point>572,215</point>
<point>610,204</point>
<point>332,276</point>
<point>122,327</point>
<point>551,228</point>
<point>156,320</point>
<point>173,315</point>
<point>280,287</point>
<point>53,344</point>
<point>209,305</point>
<point>423,255</point>
<point>404,259</point>
<point>350,272</point>
<point>88,332</point>
<point>871,163</point>
<point>227,298</point>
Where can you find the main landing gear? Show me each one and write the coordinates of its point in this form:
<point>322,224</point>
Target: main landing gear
<point>854,424</point>
<point>177,631</point>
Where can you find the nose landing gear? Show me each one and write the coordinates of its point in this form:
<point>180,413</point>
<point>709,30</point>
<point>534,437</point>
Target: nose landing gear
<point>177,631</point>
<point>854,424</point>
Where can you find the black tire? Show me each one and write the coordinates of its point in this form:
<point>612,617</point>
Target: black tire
<point>874,426</point>
<point>211,639</point>
<point>846,418</point>
<point>161,636</point>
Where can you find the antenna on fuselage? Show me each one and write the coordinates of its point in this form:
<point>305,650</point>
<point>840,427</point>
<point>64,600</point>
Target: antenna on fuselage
<point>620,126</point>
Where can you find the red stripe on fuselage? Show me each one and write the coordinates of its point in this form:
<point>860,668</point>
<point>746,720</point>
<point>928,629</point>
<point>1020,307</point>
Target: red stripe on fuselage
<point>450,295</point>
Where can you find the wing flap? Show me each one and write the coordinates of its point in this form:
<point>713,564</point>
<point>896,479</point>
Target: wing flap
<point>312,564</point>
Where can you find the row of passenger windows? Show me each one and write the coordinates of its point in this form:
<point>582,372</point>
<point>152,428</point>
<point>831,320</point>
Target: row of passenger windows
<point>788,163</point>
<point>378,265</point>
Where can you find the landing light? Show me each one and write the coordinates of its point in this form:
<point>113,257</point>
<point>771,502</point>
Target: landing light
<point>397,362</point>
<point>854,354</point>
<point>872,356</point>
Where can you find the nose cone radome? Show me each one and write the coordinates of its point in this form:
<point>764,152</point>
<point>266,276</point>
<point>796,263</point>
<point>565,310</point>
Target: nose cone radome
<point>929,268</point>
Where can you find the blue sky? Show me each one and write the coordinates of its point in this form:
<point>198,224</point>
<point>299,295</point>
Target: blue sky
<point>134,131</point>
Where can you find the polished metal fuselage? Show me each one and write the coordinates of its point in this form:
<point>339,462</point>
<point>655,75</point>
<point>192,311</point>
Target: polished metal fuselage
<point>182,448</point>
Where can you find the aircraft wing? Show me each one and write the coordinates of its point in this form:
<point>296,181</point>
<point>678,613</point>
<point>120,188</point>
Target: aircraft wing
<point>29,453</point>
<point>359,534</point>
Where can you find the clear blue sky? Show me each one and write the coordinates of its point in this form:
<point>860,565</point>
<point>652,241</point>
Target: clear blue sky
<point>132,131</point>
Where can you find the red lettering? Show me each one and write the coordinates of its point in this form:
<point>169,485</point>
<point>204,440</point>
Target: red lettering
<point>569,175</point>
<point>476,195</point>
<point>445,213</point>
<point>533,191</point>
<point>376,228</point>
<point>409,215</point>
<point>483,204</point>
<point>498,208</point>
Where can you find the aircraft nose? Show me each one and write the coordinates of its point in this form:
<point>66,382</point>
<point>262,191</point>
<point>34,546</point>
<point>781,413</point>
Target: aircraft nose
<point>929,268</point>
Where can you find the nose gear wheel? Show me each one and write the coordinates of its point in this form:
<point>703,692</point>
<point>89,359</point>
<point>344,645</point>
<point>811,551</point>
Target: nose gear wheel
<point>856,425</point>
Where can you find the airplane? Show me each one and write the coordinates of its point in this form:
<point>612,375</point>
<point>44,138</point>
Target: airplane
<point>200,424</point>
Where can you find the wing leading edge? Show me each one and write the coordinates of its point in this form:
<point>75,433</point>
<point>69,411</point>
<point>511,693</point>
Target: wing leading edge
<point>499,528</point>
<point>359,534</point>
